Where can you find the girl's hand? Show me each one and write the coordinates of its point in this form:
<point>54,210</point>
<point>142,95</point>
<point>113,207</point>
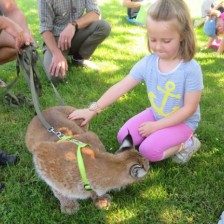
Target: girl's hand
<point>147,128</point>
<point>85,114</point>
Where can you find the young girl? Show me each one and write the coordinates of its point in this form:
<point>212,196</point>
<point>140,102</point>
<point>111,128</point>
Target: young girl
<point>174,83</point>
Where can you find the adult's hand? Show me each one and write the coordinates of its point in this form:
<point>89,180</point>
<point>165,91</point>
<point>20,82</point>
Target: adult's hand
<point>28,37</point>
<point>14,30</point>
<point>65,38</point>
<point>58,65</point>
<point>23,38</point>
<point>19,41</point>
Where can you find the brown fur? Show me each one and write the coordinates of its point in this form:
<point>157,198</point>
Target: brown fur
<point>56,161</point>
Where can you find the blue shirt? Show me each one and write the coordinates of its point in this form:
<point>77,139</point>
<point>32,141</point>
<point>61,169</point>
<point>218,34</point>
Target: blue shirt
<point>166,90</point>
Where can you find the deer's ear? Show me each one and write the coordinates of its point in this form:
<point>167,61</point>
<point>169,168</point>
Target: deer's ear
<point>126,144</point>
<point>137,171</point>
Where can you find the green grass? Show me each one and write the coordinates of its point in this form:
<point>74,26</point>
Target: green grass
<point>170,193</point>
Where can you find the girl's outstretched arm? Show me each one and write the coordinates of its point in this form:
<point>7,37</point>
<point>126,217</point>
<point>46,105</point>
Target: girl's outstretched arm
<point>110,96</point>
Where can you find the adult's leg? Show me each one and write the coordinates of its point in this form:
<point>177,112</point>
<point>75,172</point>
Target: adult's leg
<point>86,40</point>
<point>165,142</point>
<point>7,48</point>
<point>132,125</point>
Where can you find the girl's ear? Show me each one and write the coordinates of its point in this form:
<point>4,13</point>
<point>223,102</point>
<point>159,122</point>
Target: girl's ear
<point>126,144</point>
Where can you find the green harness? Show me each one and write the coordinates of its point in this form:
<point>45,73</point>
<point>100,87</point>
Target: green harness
<point>81,165</point>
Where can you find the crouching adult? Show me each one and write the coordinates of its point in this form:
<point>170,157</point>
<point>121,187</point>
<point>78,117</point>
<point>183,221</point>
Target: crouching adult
<point>14,32</point>
<point>70,28</point>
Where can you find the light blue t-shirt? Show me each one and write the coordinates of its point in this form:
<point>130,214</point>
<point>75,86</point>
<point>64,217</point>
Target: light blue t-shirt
<point>166,90</point>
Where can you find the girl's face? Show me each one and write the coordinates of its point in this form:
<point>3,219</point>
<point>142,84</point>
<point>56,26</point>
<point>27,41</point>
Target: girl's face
<point>220,26</point>
<point>164,39</point>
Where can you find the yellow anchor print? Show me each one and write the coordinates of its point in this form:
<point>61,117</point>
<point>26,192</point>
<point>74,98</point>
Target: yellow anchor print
<point>169,88</point>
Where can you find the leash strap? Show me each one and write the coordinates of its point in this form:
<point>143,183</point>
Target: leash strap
<point>34,93</point>
<point>22,59</point>
<point>36,102</point>
<point>28,59</point>
<point>60,100</point>
<point>37,108</point>
<point>81,165</point>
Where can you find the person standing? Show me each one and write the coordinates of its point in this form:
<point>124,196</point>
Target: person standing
<point>70,28</point>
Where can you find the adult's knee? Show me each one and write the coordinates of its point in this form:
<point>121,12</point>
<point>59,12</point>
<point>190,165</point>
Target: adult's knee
<point>104,27</point>
<point>7,54</point>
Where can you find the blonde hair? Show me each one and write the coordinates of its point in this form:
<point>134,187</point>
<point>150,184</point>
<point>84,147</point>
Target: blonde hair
<point>166,10</point>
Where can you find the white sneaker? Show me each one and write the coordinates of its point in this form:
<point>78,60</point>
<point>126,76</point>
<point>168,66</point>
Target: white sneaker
<point>186,153</point>
<point>85,63</point>
<point>90,64</point>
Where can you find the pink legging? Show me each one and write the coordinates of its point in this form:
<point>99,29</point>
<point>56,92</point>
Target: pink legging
<point>154,146</point>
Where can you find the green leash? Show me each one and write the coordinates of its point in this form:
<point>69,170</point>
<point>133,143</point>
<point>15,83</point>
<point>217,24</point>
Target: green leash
<point>81,165</point>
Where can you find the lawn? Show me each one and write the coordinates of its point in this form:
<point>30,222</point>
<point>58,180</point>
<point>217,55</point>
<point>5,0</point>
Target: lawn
<point>170,193</point>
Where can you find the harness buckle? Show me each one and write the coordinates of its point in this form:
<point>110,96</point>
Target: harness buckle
<point>57,133</point>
